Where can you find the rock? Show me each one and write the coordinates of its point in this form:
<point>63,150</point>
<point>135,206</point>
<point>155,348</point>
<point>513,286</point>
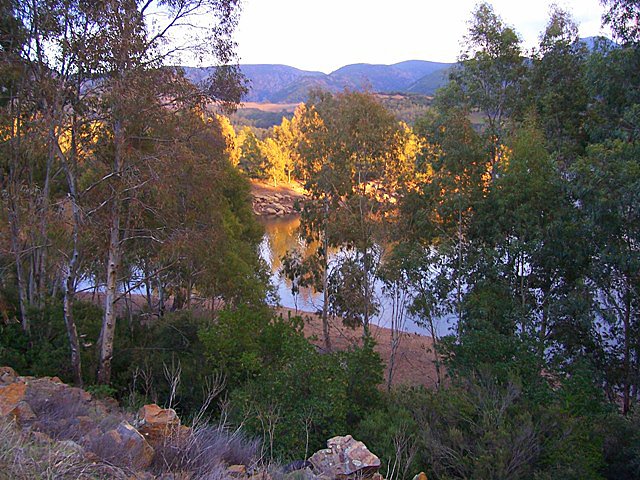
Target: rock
<point>270,211</point>
<point>345,458</point>
<point>7,375</point>
<point>237,470</point>
<point>71,447</point>
<point>157,424</point>
<point>124,445</point>
<point>23,413</point>
<point>261,475</point>
<point>10,396</point>
<point>420,476</point>
<point>297,465</point>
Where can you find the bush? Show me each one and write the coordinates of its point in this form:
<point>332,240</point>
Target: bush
<point>151,359</point>
<point>282,388</point>
<point>46,352</point>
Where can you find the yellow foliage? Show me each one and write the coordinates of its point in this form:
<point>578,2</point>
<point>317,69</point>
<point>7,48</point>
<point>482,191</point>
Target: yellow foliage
<point>231,139</point>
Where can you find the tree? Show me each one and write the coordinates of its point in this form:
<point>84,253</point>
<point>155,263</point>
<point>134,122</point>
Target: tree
<point>129,64</point>
<point>252,159</point>
<point>439,211</point>
<point>608,191</point>
<point>558,87</point>
<point>491,72</point>
<point>624,17</point>
<point>350,151</point>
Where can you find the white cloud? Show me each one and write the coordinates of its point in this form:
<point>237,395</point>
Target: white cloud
<point>329,34</point>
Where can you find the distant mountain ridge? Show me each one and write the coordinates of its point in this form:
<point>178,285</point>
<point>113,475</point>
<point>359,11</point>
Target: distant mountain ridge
<point>285,84</point>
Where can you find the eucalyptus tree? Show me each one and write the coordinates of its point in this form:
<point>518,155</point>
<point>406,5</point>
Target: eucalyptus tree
<point>490,72</point>
<point>127,54</point>
<point>350,156</point>
<point>558,87</point>
<point>624,18</point>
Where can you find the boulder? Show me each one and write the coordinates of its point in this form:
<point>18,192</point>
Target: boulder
<point>157,424</point>
<point>124,445</point>
<point>7,375</point>
<point>23,413</point>
<point>10,396</point>
<point>236,471</point>
<point>345,458</point>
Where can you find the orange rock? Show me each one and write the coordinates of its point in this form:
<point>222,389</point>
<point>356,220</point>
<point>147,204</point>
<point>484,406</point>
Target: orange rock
<point>10,396</point>
<point>7,375</point>
<point>237,470</point>
<point>125,446</point>
<point>23,413</point>
<point>158,425</point>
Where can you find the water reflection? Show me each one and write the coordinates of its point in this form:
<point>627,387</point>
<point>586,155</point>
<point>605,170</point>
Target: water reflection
<point>281,235</point>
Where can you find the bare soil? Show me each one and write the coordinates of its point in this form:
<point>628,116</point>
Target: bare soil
<point>414,358</point>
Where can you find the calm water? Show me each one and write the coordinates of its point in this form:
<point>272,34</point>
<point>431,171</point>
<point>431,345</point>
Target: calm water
<point>281,235</point>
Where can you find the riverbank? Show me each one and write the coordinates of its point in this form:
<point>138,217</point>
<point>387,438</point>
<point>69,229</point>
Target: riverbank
<point>278,201</point>
<point>415,361</point>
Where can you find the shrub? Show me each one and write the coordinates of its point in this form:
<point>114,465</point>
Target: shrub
<point>46,352</point>
<point>206,452</point>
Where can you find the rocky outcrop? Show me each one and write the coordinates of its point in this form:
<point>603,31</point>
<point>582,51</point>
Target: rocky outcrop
<point>345,458</point>
<point>159,425</point>
<point>53,411</point>
<point>72,421</point>
<point>125,443</point>
<point>276,204</point>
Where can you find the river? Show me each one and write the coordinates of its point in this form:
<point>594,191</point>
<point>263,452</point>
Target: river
<point>281,235</point>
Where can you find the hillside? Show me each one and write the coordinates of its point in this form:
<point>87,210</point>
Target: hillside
<point>284,84</point>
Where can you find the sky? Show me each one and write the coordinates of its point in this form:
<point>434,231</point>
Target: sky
<point>323,35</point>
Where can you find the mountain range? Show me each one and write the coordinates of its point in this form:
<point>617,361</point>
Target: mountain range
<point>284,84</point>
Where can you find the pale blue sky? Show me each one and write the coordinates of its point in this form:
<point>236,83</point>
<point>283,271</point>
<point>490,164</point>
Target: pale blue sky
<point>327,34</point>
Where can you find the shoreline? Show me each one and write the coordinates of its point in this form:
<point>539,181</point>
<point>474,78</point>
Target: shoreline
<point>276,201</point>
<point>415,361</point>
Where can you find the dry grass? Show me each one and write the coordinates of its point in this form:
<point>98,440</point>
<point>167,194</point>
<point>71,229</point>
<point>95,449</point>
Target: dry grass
<point>205,452</point>
<point>25,457</point>
<point>270,107</point>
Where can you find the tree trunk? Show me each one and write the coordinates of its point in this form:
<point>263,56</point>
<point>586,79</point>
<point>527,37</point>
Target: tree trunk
<point>325,283</point>
<point>626,392</point>
<point>107,332</point>
<point>14,217</point>
<point>109,321</point>
<point>69,320</point>
<point>17,250</point>
<point>396,321</point>
<point>69,283</point>
<point>458,275</point>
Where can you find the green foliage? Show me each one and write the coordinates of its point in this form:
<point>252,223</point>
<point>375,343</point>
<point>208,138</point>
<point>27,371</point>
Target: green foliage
<point>245,341</point>
<point>46,351</point>
<point>150,356</point>
<point>282,388</point>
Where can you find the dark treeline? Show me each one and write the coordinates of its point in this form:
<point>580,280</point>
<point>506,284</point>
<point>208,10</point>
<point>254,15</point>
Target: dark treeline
<point>513,207</point>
